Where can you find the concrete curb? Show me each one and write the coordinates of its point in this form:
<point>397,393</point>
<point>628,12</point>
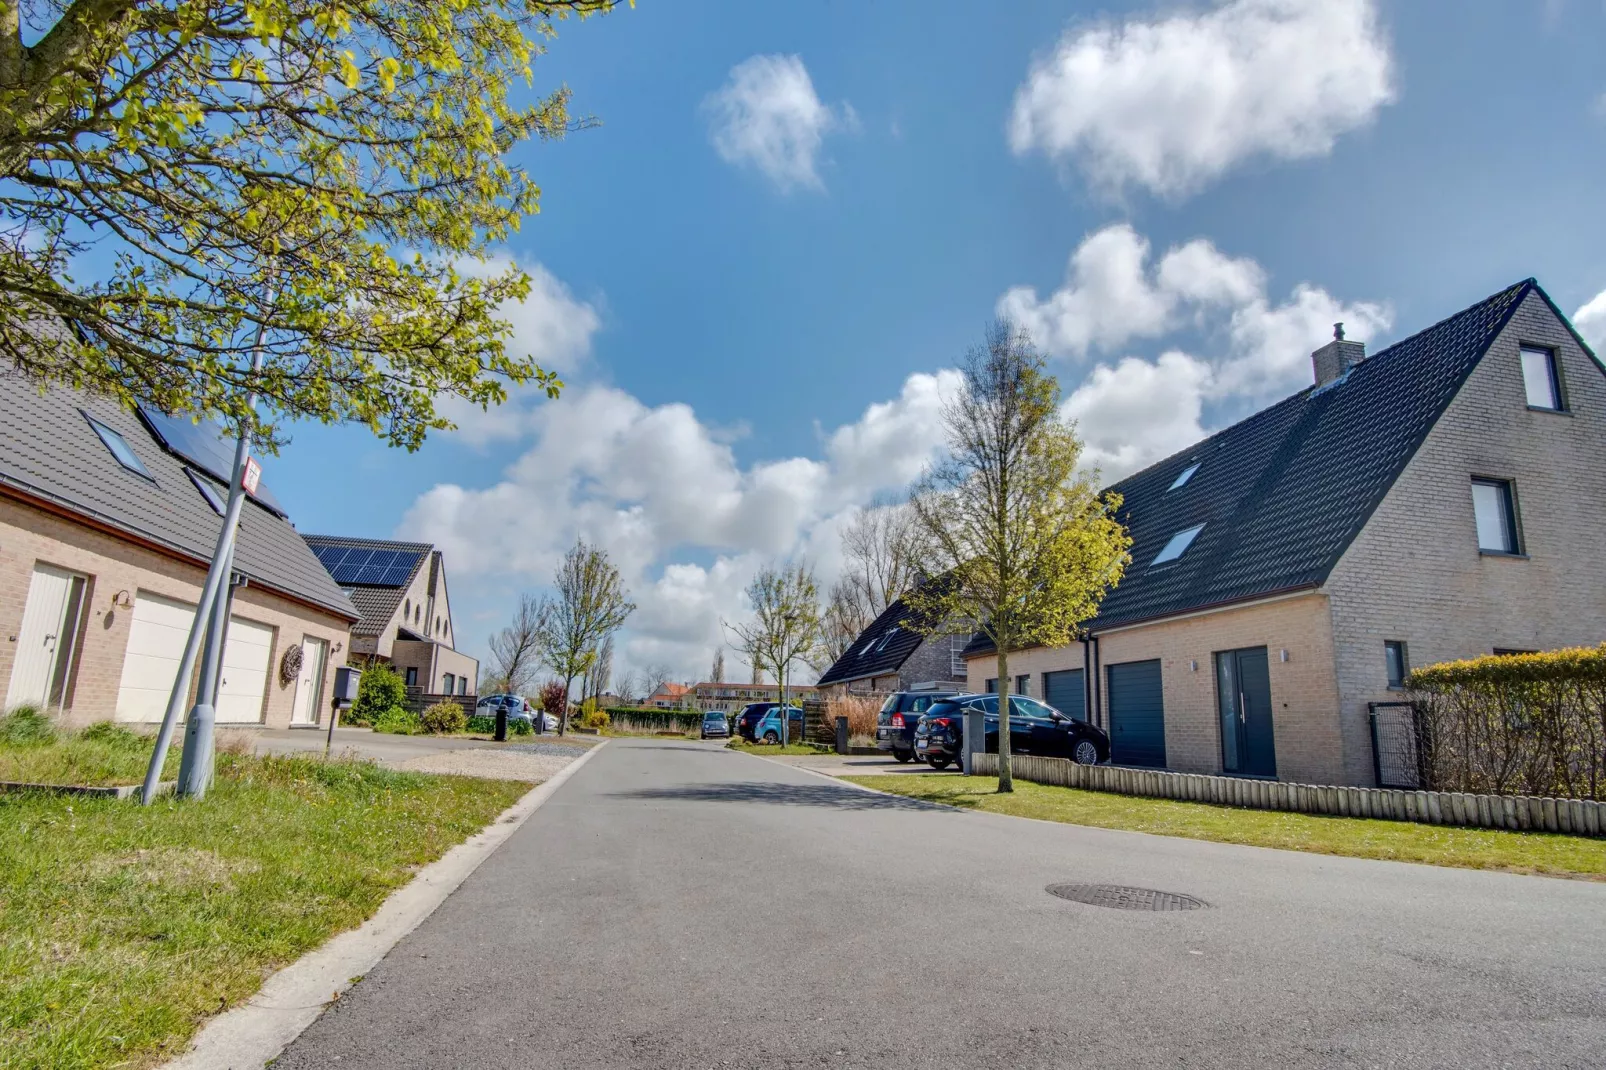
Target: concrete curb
<point>250,1036</point>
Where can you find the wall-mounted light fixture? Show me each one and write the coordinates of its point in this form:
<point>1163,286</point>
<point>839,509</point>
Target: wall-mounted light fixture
<point>121,600</point>
<point>1283,654</point>
<point>1193,666</point>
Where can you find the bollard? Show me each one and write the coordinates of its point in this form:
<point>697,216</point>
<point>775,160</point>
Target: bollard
<point>974,739</point>
<point>841,735</point>
<point>501,722</point>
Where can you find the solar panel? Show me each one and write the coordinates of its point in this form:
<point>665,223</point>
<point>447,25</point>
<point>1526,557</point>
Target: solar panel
<point>331,556</point>
<point>205,446</point>
<point>369,568</point>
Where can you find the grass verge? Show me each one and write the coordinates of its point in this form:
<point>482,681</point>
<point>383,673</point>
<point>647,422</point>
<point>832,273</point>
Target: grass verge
<point>772,749</point>
<point>1399,841</point>
<point>123,927</point>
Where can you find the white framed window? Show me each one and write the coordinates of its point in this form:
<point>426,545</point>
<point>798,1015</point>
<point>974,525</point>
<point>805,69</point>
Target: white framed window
<point>956,654</point>
<point>1539,378</point>
<point>1177,545</point>
<point>1496,516</point>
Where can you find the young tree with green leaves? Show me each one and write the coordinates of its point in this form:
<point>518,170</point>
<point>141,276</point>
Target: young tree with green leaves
<point>590,603</point>
<point>787,624</point>
<point>176,175</point>
<point>1026,545</point>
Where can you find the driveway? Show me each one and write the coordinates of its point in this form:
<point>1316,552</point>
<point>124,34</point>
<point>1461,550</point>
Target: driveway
<point>531,758</point>
<point>681,906</point>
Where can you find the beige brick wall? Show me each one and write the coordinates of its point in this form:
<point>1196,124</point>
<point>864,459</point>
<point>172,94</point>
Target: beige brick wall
<point>1415,573</point>
<point>112,565</point>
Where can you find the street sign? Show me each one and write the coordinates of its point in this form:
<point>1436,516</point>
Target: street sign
<point>253,475</point>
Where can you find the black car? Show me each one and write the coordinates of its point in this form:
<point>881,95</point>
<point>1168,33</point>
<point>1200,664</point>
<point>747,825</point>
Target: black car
<point>1034,728</point>
<point>748,719</point>
<point>895,724</point>
<point>715,725</point>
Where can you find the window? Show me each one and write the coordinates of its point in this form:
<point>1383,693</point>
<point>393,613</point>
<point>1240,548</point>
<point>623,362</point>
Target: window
<point>207,491</point>
<point>462,685</point>
<point>407,608</point>
<point>1023,684</point>
<point>412,676</point>
<point>1177,546</point>
<point>1496,519</point>
<point>1187,474</point>
<point>1398,666</point>
<point>1539,378</point>
<point>992,686</point>
<point>119,448</point>
<point>451,682</point>
<point>956,655</point>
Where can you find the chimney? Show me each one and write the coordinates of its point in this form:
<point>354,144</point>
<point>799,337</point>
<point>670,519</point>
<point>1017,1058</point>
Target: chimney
<point>1336,357</point>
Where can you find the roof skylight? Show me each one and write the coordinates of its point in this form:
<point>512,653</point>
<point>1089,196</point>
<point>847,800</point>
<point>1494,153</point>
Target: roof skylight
<point>1177,546</point>
<point>119,448</point>
<point>207,491</point>
<point>1187,474</point>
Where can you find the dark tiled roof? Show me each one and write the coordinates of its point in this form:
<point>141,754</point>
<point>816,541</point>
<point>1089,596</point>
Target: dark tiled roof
<point>376,602</point>
<point>48,450</point>
<point>1283,493</point>
<point>881,648</point>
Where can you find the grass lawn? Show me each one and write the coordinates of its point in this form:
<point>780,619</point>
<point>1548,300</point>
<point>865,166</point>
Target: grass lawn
<point>1518,852</point>
<point>101,756</point>
<point>123,927</point>
<point>775,748</point>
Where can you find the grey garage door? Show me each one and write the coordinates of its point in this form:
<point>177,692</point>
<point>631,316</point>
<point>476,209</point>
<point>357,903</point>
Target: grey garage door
<point>1063,691</point>
<point>1137,715</point>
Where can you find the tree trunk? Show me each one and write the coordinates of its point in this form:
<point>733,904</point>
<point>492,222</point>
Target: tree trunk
<point>786,715</point>
<point>563,717</point>
<point>1006,777</point>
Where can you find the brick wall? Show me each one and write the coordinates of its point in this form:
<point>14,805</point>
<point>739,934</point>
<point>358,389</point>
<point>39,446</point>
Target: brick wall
<point>29,536</point>
<point>1415,574</point>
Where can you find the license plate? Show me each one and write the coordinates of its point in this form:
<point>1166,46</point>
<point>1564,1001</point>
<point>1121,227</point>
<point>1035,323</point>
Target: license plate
<point>881,733</point>
<point>920,746</point>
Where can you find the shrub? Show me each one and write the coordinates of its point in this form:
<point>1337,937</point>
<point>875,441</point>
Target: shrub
<point>860,710</point>
<point>444,718</point>
<point>517,728</point>
<point>480,723</point>
<point>26,726</point>
<point>379,691</point>
<point>398,721</point>
<point>595,718</point>
<point>553,697</point>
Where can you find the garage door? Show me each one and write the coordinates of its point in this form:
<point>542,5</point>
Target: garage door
<point>156,639</point>
<point>1137,715</point>
<point>1063,691</point>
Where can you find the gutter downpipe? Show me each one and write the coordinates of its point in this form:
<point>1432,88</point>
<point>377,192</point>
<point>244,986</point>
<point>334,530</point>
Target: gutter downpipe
<point>1098,691</point>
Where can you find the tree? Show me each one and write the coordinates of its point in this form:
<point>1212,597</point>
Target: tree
<point>516,649</point>
<point>177,175</point>
<point>1027,544</point>
<point>602,673</point>
<point>554,698</point>
<point>880,562</point>
<point>629,689</point>
<point>590,602</point>
<point>655,677</point>
<point>786,623</point>
<point>716,675</point>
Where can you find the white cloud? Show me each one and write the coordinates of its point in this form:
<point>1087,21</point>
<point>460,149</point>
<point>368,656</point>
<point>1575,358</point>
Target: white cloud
<point>1591,323</point>
<point>768,116</point>
<point>1172,103</point>
<point>1138,411</point>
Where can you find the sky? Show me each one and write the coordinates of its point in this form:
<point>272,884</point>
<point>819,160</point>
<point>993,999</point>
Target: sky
<point>758,271</point>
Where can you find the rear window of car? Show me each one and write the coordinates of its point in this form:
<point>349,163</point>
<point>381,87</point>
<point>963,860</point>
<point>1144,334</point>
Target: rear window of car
<point>921,703</point>
<point>891,705</point>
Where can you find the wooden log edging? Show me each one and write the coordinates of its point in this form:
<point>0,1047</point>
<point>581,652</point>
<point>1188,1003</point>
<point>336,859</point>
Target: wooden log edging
<point>1579,817</point>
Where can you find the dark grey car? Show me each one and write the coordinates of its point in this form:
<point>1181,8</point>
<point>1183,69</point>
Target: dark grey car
<point>895,724</point>
<point>715,725</point>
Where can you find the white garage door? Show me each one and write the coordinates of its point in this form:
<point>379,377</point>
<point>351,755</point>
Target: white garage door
<point>156,644</point>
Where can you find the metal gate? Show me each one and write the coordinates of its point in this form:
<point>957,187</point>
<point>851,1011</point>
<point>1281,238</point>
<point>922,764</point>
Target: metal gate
<point>1399,746</point>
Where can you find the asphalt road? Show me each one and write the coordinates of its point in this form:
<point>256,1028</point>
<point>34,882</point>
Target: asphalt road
<point>679,906</point>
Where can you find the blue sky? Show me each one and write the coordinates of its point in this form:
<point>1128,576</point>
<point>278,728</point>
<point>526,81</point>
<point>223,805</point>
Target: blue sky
<point>793,218</point>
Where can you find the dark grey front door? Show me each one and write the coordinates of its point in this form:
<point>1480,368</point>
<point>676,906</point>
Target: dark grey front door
<point>1243,693</point>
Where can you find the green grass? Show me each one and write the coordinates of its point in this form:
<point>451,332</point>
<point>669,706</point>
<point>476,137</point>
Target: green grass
<point>123,927</point>
<point>1517,852</point>
<point>775,748</point>
<point>102,755</point>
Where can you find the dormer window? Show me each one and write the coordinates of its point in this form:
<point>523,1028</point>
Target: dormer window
<point>1539,379</point>
<point>1177,546</point>
<point>1184,476</point>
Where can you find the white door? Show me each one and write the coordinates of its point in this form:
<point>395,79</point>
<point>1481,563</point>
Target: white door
<point>309,686</point>
<point>246,658</point>
<point>156,638</point>
<point>41,642</point>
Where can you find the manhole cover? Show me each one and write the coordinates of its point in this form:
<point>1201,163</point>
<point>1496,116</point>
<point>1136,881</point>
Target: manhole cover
<point>1121,897</point>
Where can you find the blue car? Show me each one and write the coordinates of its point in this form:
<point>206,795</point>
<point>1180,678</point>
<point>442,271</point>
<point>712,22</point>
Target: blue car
<point>768,729</point>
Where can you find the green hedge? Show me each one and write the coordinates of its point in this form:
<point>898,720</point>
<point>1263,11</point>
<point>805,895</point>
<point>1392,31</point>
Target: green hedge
<point>1516,724</point>
<point>648,717</point>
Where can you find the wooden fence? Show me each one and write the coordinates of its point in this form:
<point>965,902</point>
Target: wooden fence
<point>1580,817</point>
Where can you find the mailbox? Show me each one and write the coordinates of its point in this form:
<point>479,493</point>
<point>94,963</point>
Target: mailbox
<point>346,679</point>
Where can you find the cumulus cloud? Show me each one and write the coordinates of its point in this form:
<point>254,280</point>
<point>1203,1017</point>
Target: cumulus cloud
<point>768,116</point>
<point>1137,411</point>
<point>1169,104</point>
<point>1591,323</point>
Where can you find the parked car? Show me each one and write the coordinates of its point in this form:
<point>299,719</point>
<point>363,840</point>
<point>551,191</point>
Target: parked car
<point>715,725</point>
<point>1034,728</point>
<point>748,719</point>
<point>768,728</point>
<point>895,724</point>
<point>518,709</point>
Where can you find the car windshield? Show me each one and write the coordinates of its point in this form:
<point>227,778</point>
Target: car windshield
<point>713,715</point>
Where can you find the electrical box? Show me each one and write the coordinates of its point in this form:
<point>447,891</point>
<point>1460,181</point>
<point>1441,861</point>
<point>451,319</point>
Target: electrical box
<point>346,679</point>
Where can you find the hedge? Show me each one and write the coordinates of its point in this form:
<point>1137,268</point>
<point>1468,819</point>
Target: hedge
<point>649,717</point>
<point>1515,724</point>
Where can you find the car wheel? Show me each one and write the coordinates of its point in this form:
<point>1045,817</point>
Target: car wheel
<point>1086,752</point>
<point>771,737</point>
<point>939,764</point>
<point>903,755</point>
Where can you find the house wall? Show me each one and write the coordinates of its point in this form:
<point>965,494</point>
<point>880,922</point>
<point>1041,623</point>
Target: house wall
<point>112,565</point>
<point>931,661</point>
<point>1415,573</point>
<point>1035,661</point>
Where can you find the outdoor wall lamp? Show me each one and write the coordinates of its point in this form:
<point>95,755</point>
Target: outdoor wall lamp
<point>1283,654</point>
<point>121,600</point>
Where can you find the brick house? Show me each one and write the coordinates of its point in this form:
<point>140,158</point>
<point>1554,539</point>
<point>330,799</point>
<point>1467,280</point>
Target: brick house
<point>667,696</point>
<point>108,520</point>
<point>890,655</point>
<point>400,590</point>
<point>1445,498</point>
<point>728,698</point>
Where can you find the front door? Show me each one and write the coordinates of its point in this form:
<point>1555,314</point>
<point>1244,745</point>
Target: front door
<point>1243,690</point>
<point>309,685</point>
<point>46,641</point>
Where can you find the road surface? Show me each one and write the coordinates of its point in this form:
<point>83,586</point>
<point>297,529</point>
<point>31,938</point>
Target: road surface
<point>676,905</point>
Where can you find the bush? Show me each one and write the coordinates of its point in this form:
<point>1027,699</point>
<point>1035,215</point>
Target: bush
<point>1515,724</point>
<point>480,723</point>
<point>861,711</point>
<point>379,691</point>
<point>26,726</point>
<point>553,697</point>
<point>398,721</point>
<point>595,718</point>
<point>650,719</point>
<point>444,718</point>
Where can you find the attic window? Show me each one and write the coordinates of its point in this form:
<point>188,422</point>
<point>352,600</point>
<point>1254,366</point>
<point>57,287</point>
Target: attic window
<point>1187,474</point>
<point>887,638</point>
<point>119,448</point>
<point>207,491</point>
<point>1177,546</point>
